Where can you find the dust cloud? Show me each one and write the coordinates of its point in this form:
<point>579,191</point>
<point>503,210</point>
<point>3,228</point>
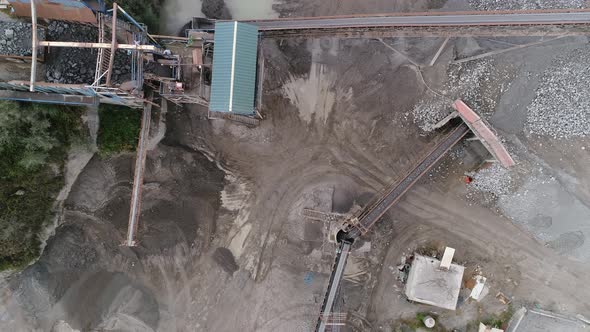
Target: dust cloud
<point>177,13</point>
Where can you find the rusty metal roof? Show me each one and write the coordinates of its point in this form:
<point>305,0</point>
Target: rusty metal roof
<point>62,10</point>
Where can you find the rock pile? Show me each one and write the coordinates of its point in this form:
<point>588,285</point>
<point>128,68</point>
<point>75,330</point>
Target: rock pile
<point>526,4</point>
<point>15,38</point>
<point>561,108</point>
<point>77,65</point>
<point>464,82</point>
<point>494,179</point>
<point>63,31</point>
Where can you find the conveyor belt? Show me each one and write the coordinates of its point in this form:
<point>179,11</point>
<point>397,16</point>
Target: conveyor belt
<point>373,213</point>
<point>499,18</point>
<point>333,284</point>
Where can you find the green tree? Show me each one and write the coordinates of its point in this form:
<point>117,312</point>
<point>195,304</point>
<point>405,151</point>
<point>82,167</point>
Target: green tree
<point>143,11</point>
<point>32,136</point>
<point>25,138</point>
<point>118,130</point>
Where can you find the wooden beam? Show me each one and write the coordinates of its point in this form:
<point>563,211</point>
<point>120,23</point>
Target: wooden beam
<point>113,45</point>
<point>169,37</point>
<point>97,45</point>
<point>33,46</point>
<point>19,57</point>
<point>142,146</point>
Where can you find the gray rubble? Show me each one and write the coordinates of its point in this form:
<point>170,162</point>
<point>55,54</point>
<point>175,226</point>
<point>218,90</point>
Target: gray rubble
<point>561,108</point>
<point>464,82</point>
<point>494,179</point>
<point>77,65</point>
<point>15,38</point>
<point>525,4</point>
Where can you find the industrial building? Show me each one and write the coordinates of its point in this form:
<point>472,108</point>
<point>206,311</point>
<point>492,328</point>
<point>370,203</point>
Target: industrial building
<point>428,283</point>
<point>234,68</point>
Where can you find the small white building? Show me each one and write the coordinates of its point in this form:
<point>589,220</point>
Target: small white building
<point>429,284</point>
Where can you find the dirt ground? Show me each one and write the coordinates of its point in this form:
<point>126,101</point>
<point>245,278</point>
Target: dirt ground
<point>223,245</point>
<point>330,126</point>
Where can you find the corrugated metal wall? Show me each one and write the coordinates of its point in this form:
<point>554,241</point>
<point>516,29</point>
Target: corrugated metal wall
<point>222,64</point>
<point>234,68</point>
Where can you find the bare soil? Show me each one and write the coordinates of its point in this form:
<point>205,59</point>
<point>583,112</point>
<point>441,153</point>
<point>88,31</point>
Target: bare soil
<point>223,245</point>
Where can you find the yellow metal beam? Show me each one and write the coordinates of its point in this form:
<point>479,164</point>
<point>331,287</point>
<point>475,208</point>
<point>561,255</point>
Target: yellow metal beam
<point>33,46</point>
<point>97,45</point>
<point>113,45</point>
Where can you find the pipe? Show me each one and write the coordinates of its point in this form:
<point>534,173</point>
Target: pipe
<point>33,46</point>
<point>113,46</point>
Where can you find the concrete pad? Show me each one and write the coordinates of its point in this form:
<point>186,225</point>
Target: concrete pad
<point>430,285</point>
<point>536,320</point>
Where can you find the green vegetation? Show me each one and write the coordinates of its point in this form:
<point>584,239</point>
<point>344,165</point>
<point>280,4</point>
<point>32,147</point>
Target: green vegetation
<point>119,129</point>
<point>33,144</point>
<point>143,11</point>
<point>500,320</point>
<point>417,323</point>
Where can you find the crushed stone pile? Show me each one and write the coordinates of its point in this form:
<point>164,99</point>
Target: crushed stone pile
<point>495,179</point>
<point>15,38</point>
<point>77,65</point>
<point>561,108</point>
<point>525,4</point>
<point>464,82</point>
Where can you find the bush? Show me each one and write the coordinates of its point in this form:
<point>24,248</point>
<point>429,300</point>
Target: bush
<point>33,138</point>
<point>499,320</point>
<point>118,130</point>
<point>143,11</point>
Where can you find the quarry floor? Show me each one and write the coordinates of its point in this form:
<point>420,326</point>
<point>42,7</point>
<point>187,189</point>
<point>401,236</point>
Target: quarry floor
<point>223,245</point>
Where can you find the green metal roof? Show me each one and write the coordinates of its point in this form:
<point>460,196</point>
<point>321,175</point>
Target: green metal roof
<point>234,68</point>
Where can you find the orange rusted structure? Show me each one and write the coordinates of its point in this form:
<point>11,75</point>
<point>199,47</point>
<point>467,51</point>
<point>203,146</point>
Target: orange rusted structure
<point>63,10</point>
<point>489,139</point>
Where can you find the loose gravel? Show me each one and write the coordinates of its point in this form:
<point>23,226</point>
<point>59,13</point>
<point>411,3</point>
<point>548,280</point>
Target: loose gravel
<point>15,38</point>
<point>561,108</point>
<point>525,4</point>
<point>77,65</point>
<point>495,179</point>
<point>467,81</point>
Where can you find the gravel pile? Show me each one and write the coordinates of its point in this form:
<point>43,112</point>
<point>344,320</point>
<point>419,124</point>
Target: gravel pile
<point>15,38</point>
<point>495,179</point>
<point>77,65</point>
<point>561,108</point>
<point>464,82</point>
<point>525,4</point>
